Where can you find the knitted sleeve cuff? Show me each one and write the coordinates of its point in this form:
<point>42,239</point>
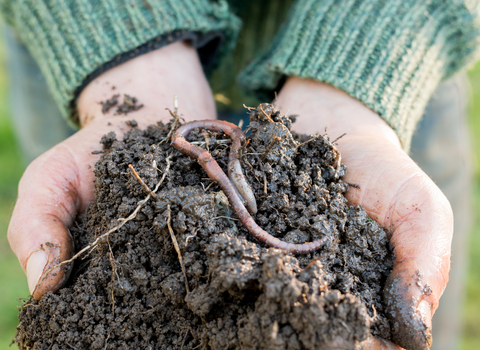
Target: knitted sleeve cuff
<point>390,55</point>
<point>73,41</point>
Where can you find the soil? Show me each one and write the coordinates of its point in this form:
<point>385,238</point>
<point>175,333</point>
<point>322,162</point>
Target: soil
<point>129,104</point>
<point>108,104</point>
<point>130,293</point>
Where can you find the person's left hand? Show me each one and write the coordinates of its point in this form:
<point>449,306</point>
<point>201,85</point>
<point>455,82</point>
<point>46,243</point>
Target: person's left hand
<point>396,193</point>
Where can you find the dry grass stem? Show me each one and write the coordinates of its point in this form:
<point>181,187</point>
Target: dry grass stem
<point>224,217</point>
<point>309,140</point>
<point>154,196</point>
<point>176,120</point>
<point>177,248</point>
<point>338,138</point>
<point>276,139</point>
<point>114,273</point>
<point>374,317</point>
<point>265,185</point>
<point>269,117</point>
<point>249,108</point>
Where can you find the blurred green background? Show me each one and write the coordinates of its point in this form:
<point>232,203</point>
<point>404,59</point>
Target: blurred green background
<point>13,285</point>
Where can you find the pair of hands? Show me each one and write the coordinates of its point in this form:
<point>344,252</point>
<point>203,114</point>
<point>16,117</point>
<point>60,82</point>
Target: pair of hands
<point>59,184</point>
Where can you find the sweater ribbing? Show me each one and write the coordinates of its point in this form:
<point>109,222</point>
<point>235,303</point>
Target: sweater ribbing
<point>389,55</point>
<point>73,39</point>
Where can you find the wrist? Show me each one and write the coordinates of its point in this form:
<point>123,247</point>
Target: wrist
<point>322,106</point>
<point>153,79</point>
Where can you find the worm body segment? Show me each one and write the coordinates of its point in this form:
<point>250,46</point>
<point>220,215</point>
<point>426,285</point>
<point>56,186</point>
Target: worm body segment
<point>235,186</point>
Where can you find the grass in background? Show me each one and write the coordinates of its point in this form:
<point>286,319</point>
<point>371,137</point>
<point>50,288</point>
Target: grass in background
<point>13,284</point>
<point>471,336</point>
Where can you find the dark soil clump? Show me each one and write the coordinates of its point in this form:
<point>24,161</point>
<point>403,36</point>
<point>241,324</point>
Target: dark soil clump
<point>130,292</point>
<point>108,104</point>
<point>129,105</point>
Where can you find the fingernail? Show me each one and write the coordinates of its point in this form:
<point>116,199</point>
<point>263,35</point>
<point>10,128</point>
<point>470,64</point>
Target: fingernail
<point>35,265</point>
<point>425,310</point>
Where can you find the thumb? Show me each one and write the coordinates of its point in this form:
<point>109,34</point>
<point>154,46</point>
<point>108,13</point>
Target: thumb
<point>48,200</point>
<point>42,276</point>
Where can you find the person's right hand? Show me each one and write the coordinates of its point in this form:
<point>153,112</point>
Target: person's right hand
<point>58,185</point>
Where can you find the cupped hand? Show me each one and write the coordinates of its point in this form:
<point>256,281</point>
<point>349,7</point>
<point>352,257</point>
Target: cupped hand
<point>58,185</point>
<point>396,193</point>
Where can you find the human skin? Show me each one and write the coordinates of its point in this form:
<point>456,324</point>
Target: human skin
<point>395,192</point>
<point>58,185</point>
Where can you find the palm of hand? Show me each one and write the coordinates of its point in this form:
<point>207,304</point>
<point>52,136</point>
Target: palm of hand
<point>62,181</point>
<point>396,193</point>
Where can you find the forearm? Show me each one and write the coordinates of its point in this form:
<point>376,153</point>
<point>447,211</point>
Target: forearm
<point>390,55</point>
<point>154,79</point>
<point>334,111</point>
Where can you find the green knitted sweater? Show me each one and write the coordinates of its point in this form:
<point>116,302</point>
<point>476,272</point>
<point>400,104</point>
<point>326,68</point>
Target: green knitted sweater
<point>388,54</point>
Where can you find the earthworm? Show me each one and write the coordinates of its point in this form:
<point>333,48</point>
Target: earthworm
<point>216,174</point>
<point>235,172</point>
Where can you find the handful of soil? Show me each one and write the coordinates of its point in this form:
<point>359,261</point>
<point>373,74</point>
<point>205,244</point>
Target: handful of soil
<point>130,291</point>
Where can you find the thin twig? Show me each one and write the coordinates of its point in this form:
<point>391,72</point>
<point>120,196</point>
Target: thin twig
<point>154,196</point>
<point>177,248</point>
<point>309,140</point>
<point>114,272</point>
<point>244,146</point>
<point>345,325</point>
<point>374,317</point>
<point>190,237</point>
<point>224,217</point>
<point>265,188</point>
<point>276,139</point>
<point>248,163</point>
<point>106,341</point>
<point>209,185</point>
<point>185,338</point>
<point>338,138</point>
<point>176,118</point>
<point>123,221</point>
<point>249,108</point>
<point>269,117</point>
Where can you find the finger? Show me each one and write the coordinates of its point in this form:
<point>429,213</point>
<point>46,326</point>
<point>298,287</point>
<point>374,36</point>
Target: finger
<point>396,193</point>
<point>48,201</point>
<point>421,240</point>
